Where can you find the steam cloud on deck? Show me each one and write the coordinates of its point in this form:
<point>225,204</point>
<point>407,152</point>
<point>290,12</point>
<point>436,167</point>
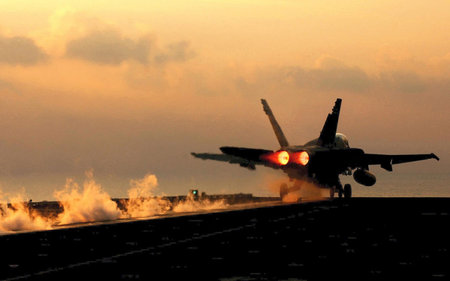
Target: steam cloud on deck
<point>90,203</point>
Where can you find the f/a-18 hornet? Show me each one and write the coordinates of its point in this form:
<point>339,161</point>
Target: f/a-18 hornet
<point>320,161</point>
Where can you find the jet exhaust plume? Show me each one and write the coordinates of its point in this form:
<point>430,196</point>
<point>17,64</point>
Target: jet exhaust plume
<point>298,190</point>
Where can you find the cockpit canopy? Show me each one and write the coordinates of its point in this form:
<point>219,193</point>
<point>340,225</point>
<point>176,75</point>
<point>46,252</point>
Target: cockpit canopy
<point>341,141</point>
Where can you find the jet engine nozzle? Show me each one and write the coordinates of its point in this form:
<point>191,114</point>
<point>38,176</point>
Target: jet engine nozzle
<point>280,157</point>
<point>301,158</point>
<point>364,177</point>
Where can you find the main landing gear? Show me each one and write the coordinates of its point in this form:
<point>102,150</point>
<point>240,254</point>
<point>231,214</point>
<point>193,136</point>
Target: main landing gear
<point>346,191</point>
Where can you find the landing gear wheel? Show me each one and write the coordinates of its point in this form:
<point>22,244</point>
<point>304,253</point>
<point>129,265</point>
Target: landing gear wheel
<point>347,191</point>
<point>283,190</point>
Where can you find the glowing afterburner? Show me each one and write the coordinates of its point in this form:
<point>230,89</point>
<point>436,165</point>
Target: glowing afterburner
<point>301,158</point>
<point>279,158</point>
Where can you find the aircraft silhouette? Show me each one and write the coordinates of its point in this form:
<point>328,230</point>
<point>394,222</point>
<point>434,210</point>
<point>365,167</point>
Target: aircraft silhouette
<point>320,161</point>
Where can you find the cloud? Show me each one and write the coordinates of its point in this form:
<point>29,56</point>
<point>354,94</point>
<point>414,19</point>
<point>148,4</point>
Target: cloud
<point>7,87</point>
<point>19,50</point>
<point>402,81</point>
<point>333,79</point>
<point>109,47</point>
<point>178,51</point>
<point>332,75</point>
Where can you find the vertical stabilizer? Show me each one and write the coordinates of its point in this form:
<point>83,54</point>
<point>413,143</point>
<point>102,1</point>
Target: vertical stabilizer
<point>328,133</point>
<point>276,128</point>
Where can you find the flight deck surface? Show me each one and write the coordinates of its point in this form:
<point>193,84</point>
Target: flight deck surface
<point>356,239</point>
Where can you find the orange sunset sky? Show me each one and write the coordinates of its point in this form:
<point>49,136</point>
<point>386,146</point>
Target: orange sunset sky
<point>127,88</point>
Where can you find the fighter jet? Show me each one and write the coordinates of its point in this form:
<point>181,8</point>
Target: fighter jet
<point>319,161</point>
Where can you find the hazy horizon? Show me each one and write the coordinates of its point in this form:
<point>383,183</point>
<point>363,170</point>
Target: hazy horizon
<point>131,89</point>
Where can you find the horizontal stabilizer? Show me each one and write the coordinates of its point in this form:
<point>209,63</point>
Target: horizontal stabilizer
<point>226,158</point>
<point>251,154</point>
<point>245,157</point>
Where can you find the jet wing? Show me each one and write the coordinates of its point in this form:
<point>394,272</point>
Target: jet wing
<point>245,157</point>
<point>386,161</point>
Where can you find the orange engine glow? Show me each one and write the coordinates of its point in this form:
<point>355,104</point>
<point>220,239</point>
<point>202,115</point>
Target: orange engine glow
<point>302,158</point>
<point>283,157</point>
<point>279,157</point>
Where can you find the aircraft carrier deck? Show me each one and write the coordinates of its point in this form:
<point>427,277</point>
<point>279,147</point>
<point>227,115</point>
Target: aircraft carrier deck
<point>357,239</point>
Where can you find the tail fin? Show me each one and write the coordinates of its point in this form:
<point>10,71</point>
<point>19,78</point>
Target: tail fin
<point>328,133</point>
<point>276,128</point>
